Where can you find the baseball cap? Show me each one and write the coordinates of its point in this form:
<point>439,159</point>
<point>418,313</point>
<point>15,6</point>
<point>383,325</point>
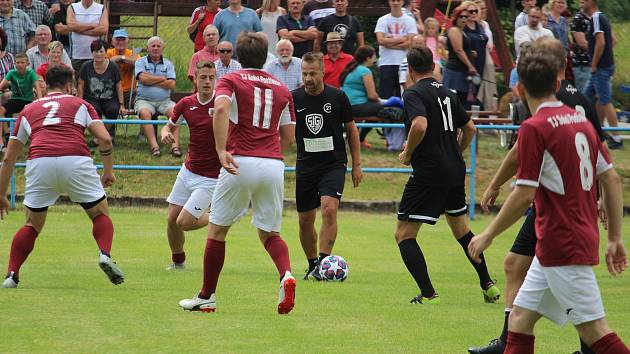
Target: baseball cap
<point>122,32</point>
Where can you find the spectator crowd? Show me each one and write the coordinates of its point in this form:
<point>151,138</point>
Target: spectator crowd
<point>36,35</point>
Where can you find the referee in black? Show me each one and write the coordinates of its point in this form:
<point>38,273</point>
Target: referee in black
<point>433,116</point>
<point>322,114</point>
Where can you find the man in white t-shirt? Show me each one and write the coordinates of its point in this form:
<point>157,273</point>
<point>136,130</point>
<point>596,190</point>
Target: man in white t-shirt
<point>532,31</point>
<point>393,34</point>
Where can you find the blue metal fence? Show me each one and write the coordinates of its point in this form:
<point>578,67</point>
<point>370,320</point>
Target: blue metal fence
<point>470,170</point>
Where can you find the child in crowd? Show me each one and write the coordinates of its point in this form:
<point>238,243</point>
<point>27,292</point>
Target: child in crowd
<point>432,39</point>
<point>22,81</point>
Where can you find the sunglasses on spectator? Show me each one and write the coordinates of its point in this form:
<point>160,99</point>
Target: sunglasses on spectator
<point>463,16</point>
<point>472,11</point>
<point>225,51</point>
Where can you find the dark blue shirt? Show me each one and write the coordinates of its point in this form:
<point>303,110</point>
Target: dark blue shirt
<point>289,23</point>
<point>599,23</point>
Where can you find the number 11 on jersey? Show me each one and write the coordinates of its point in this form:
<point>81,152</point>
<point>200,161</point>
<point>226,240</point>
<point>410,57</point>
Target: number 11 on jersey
<point>267,96</point>
<point>448,125</point>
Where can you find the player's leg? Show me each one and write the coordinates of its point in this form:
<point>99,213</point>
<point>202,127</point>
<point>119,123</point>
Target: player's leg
<point>103,232</point>
<point>230,202</point>
<point>600,338</point>
<point>419,204</point>
<point>330,188</point>
<point>307,200</point>
<point>266,179</point>
<point>176,238</point>
<point>328,230</point>
<point>457,218</point>
<point>23,244</point>
<point>520,338</point>
<point>308,239</point>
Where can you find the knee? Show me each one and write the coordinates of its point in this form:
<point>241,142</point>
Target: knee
<point>509,265</point>
<point>172,220</point>
<point>401,235</point>
<point>329,213</point>
<point>185,224</point>
<point>144,114</point>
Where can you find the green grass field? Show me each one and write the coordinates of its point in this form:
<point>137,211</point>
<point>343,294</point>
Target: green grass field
<point>66,305</point>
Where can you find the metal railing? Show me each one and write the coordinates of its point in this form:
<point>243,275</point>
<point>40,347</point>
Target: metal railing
<point>470,170</point>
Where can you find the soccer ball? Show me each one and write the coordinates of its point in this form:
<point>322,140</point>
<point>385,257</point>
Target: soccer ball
<point>333,268</point>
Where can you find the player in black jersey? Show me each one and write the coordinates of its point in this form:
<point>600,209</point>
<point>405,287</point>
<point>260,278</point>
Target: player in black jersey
<point>520,256</point>
<point>433,116</point>
<point>323,113</point>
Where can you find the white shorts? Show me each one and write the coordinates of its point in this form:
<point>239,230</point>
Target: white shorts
<point>193,192</point>
<point>561,293</point>
<point>261,182</point>
<point>48,177</point>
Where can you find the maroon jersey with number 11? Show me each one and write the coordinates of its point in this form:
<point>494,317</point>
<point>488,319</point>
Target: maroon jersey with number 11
<point>260,105</point>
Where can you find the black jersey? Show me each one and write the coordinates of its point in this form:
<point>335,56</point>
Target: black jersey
<point>319,128</point>
<point>572,97</point>
<point>437,160</point>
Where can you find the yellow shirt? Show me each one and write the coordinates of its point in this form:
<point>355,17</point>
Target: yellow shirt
<point>126,70</point>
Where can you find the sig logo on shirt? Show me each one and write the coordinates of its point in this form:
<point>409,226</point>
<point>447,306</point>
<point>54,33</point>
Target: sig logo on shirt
<point>314,122</point>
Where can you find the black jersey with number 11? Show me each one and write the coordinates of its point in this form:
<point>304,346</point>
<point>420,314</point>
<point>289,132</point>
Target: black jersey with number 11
<point>438,159</point>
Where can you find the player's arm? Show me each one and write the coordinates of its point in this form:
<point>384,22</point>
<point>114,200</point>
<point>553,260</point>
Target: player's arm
<point>106,149</point>
<point>14,149</point>
<point>514,207</point>
<point>468,132</point>
<point>352,132</point>
<point>220,125</point>
<point>616,259</point>
<point>287,136</point>
<point>414,138</point>
<point>168,130</point>
<point>507,169</point>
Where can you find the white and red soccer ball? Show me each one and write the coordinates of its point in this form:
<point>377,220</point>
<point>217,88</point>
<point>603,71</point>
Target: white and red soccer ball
<point>333,268</point>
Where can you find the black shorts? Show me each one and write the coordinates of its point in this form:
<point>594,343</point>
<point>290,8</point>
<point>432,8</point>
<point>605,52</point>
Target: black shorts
<point>424,203</point>
<point>525,242</point>
<point>312,185</point>
<point>14,106</point>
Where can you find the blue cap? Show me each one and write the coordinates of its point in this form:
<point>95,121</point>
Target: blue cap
<point>121,33</point>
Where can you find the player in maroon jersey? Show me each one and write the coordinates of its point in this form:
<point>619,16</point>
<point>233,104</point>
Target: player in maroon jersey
<point>189,201</point>
<point>560,154</point>
<point>59,162</point>
<point>258,111</point>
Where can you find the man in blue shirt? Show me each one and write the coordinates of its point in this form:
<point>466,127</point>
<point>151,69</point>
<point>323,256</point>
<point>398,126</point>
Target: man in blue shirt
<point>299,29</point>
<point>234,20</point>
<point>156,79</point>
<point>600,49</point>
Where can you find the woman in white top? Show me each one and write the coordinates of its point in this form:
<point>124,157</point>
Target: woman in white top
<point>269,13</point>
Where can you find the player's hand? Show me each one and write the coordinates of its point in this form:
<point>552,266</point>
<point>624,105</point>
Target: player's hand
<point>601,212</point>
<point>202,15</point>
<point>489,197</point>
<point>616,259</point>
<point>107,179</point>
<point>227,161</point>
<point>4,207</point>
<point>357,176</point>
<point>477,245</point>
<point>404,158</point>
<point>167,137</point>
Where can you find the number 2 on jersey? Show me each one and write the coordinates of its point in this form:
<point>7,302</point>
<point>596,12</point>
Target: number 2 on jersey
<point>51,117</point>
<point>267,96</point>
<point>448,125</point>
<point>586,167</point>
